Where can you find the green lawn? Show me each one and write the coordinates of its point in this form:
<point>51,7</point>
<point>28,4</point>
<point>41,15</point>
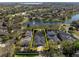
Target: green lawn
<point>26,54</point>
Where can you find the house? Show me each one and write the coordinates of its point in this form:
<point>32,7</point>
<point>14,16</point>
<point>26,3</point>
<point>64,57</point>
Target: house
<point>65,36</point>
<point>52,36</point>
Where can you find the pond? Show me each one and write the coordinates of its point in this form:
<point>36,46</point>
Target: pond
<point>39,23</point>
<point>73,18</point>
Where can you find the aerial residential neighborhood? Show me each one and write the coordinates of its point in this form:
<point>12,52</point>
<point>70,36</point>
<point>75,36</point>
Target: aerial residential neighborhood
<point>39,29</point>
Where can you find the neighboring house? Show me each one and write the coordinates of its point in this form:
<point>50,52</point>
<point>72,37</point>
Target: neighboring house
<point>25,40</point>
<point>7,49</point>
<point>52,36</point>
<point>65,36</point>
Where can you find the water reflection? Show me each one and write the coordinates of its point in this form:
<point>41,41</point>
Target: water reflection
<point>39,23</point>
<point>73,18</point>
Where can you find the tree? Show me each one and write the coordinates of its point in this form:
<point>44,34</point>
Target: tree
<point>76,44</point>
<point>53,50</point>
<point>68,48</point>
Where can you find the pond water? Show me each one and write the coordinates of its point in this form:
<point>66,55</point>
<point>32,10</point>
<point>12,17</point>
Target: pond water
<point>68,21</point>
<point>73,18</point>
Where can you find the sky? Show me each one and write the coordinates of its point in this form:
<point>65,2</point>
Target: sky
<point>39,0</point>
